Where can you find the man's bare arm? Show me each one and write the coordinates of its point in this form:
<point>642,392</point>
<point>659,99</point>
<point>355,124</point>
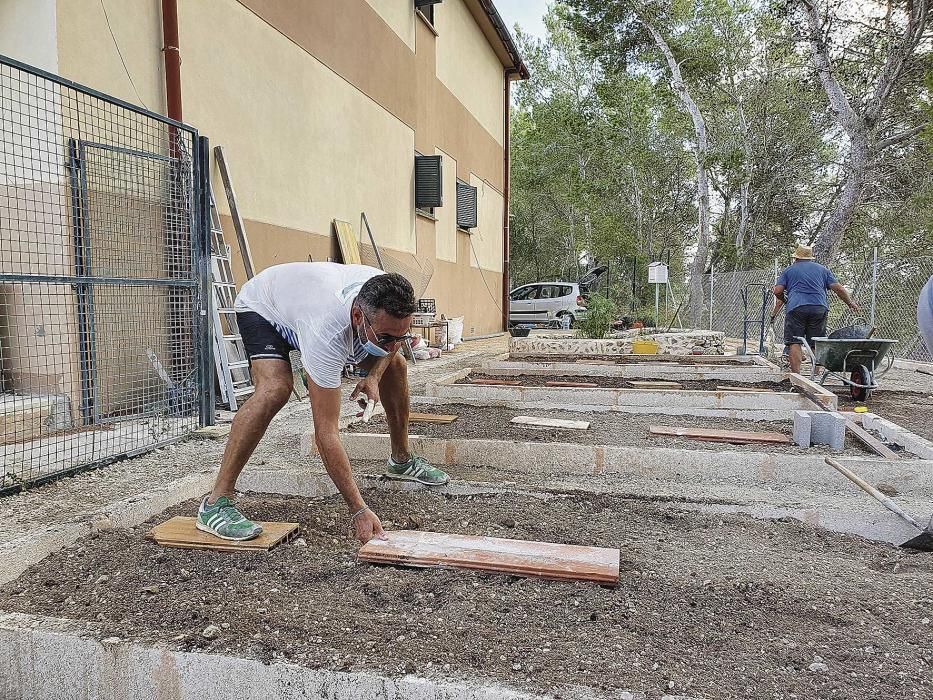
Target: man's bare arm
<point>326,415</point>
<point>843,294</point>
<point>779,300</point>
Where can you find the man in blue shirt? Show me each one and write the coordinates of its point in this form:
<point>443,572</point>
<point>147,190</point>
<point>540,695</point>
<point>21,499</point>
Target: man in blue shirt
<point>802,286</point>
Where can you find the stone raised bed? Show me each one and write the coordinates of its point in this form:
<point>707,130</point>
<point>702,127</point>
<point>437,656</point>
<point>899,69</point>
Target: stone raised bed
<point>781,403</point>
<point>693,342</point>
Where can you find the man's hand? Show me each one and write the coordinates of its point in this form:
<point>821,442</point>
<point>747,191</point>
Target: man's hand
<point>368,385</point>
<point>855,307</point>
<point>368,526</point>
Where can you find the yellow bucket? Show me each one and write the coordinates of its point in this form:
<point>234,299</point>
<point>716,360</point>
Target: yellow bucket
<point>645,347</point>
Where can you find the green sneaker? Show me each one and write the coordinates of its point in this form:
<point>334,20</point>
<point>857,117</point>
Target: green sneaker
<point>225,521</point>
<point>416,469</point>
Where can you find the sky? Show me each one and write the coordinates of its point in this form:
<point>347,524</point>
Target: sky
<point>527,13</point>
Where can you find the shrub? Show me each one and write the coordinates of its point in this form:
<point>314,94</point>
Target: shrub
<point>600,313</point>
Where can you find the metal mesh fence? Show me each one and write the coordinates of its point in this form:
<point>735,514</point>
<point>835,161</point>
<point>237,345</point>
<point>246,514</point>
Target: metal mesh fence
<point>100,278</point>
<point>887,291</point>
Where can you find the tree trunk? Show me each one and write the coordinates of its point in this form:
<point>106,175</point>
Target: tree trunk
<point>698,267</point>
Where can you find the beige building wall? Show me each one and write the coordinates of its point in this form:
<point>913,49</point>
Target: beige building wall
<point>87,53</point>
<point>28,32</point>
<point>468,66</point>
<point>399,16</point>
<point>445,227</point>
<point>304,146</point>
<point>487,236</point>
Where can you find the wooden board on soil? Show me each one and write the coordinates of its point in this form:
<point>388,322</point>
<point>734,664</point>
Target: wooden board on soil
<point>733,436</point>
<point>562,562</point>
<point>181,532</point>
<point>496,382</point>
<point>535,422</point>
<point>415,417</point>
<point>654,384</point>
<point>577,385</point>
<point>738,388</point>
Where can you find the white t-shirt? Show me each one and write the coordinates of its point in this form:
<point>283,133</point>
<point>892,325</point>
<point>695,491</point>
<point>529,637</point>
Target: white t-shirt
<point>309,305</point>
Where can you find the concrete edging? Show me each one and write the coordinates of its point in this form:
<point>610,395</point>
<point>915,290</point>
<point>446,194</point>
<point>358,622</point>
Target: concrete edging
<point>647,370</point>
<point>894,433</point>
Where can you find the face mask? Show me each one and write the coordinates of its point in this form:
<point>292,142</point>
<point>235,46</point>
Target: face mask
<point>369,346</point>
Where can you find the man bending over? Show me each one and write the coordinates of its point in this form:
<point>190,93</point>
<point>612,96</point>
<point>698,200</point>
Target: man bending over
<point>334,314</point>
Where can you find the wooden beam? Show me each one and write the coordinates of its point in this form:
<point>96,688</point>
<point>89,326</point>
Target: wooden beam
<point>238,224</point>
<point>349,247</point>
<point>654,384</point>
<point>740,388</point>
<point>739,437</point>
<point>181,532</point>
<point>430,418</point>
<point>578,385</point>
<point>562,562</point>
<point>496,382</point>
<point>535,422</point>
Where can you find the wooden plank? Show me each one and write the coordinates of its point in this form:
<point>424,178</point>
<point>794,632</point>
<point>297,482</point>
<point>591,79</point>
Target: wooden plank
<point>535,422</point>
<point>654,384</point>
<point>238,225</point>
<point>813,391</point>
<point>180,531</point>
<point>496,382</point>
<point>349,246</point>
<point>596,362</point>
<point>734,436</point>
<point>561,562</point>
<point>430,418</point>
<point>740,388</point>
<point>870,441</point>
<point>578,385</point>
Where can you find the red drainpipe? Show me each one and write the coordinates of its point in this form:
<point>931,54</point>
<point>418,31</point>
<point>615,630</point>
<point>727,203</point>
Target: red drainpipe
<point>505,189</point>
<point>172,59</point>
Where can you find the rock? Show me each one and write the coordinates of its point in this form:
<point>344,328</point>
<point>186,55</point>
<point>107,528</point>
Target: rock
<point>507,522</point>
<point>102,579</point>
<point>225,625</point>
<point>111,640</point>
<point>516,667</point>
<point>300,542</point>
<point>210,632</point>
<point>151,590</point>
<point>184,574</point>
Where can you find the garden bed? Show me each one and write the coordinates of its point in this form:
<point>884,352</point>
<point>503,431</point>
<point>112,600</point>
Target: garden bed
<point>541,380</point>
<point>708,605</point>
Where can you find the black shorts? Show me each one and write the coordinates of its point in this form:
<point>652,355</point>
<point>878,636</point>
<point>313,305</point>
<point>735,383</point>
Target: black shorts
<point>260,338</point>
<point>808,321</point>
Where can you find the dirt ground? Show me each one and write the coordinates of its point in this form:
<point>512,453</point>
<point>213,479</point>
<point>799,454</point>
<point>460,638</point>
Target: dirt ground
<point>485,422</point>
<point>912,410</point>
<point>624,382</point>
<point>708,605</point>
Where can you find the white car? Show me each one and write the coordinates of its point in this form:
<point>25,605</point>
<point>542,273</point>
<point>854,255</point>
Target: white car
<point>545,303</point>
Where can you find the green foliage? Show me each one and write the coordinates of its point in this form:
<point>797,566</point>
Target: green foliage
<point>600,313</point>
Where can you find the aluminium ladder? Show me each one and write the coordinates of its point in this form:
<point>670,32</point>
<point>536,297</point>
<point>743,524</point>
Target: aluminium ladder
<point>229,352</point>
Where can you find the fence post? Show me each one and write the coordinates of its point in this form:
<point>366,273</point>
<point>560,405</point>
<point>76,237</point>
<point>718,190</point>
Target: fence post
<point>874,284</point>
<point>712,271</point>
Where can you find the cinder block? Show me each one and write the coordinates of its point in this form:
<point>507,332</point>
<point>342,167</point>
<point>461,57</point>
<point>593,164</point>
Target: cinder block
<point>802,427</point>
<point>819,428</point>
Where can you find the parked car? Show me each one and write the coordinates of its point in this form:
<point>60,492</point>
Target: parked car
<point>546,302</point>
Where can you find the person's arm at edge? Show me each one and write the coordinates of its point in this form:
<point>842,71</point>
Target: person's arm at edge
<point>779,300</point>
<point>326,417</point>
<point>843,294</point>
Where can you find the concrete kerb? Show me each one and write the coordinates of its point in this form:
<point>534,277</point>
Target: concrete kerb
<point>681,399</point>
<point>893,433</point>
<point>689,467</point>
<point>501,366</point>
<point>18,555</point>
<point>62,659</point>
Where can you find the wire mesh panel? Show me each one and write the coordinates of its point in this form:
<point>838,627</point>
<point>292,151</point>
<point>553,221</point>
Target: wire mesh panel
<point>101,278</point>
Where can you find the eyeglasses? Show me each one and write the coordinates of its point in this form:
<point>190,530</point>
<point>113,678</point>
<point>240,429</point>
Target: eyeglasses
<point>383,339</point>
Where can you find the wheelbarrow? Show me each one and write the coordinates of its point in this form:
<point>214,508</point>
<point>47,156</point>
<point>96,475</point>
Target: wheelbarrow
<point>851,356</point>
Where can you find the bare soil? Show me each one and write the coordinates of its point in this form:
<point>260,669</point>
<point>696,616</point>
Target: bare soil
<point>708,605</point>
<point>624,382</point>
<point>911,410</point>
<point>491,422</point>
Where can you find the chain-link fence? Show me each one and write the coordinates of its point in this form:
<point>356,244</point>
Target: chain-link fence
<point>102,278</point>
<point>887,291</point>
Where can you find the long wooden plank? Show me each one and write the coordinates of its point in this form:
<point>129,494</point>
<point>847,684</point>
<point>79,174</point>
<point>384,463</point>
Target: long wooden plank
<point>535,422</point>
<point>349,247</point>
<point>496,382</point>
<point>180,531</point>
<point>733,436</point>
<point>654,384</point>
<point>576,385</point>
<point>740,388</point>
<point>494,554</point>
<point>430,418</point>
<point>238,224</point>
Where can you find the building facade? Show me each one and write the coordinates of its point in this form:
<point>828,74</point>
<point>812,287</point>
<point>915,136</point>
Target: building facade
<point>322,107</point>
